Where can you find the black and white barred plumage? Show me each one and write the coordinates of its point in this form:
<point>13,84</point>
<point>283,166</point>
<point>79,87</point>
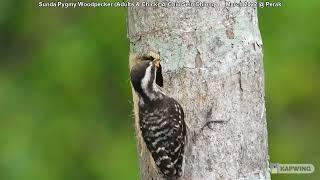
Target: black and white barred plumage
<point>161,120</point>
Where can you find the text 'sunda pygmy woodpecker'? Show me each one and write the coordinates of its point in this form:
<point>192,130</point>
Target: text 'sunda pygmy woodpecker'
<point>161,118</point>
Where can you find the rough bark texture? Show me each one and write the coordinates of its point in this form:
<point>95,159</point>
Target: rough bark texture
<point>212,64</point>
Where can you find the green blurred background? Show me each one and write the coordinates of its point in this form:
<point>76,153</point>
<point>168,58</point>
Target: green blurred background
<point>65,100</point>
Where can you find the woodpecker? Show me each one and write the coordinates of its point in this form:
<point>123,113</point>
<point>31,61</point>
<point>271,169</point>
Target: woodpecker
<point>161,119</point>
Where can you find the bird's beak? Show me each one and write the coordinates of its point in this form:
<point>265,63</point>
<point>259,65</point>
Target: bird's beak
<point>156,62</point>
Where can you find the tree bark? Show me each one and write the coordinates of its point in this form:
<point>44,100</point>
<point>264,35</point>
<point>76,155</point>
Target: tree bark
<point>212,63</point>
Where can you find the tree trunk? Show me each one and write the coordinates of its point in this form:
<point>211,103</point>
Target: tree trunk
<point>212,64</point>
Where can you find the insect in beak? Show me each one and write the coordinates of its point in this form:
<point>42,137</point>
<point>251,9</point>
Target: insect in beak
<point>156,62</point>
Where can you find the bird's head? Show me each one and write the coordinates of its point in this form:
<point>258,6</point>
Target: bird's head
<point>143,76</point>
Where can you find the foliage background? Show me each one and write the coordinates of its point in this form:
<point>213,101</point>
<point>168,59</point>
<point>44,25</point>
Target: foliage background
<point>65,100</point>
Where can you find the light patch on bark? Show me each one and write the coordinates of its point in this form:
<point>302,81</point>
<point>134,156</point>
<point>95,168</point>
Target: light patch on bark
<point>212,63</point>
